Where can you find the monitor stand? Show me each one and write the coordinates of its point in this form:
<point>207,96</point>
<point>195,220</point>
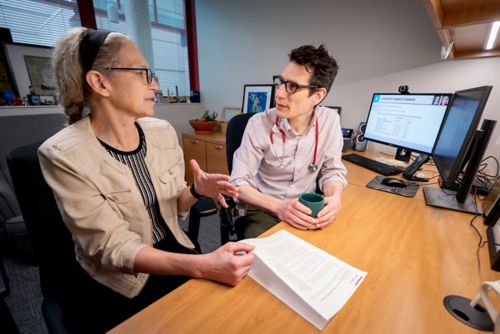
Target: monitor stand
<point>403,154</point>
<point>446,199</point>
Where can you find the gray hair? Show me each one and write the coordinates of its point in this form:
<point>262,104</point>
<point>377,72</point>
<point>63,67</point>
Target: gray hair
<point>72,89</point>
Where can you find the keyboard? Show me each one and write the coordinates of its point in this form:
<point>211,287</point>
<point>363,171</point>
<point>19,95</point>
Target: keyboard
<point>373,165</point>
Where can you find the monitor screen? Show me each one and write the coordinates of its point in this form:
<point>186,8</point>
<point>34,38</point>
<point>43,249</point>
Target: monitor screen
<point>408,121</point>
<point>459,149</point>
<point>457,132</point>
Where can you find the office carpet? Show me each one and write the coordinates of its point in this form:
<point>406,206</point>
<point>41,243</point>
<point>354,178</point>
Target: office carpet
<point>25,298</point>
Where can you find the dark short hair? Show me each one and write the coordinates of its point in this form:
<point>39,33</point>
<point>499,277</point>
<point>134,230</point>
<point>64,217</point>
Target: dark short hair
<point>317,61</point>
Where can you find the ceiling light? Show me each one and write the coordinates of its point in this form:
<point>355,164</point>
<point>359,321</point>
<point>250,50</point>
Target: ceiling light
<point>445,52</point>
<point>493,35</point>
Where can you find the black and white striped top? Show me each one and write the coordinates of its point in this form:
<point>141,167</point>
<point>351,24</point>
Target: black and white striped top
<point>135,161</point>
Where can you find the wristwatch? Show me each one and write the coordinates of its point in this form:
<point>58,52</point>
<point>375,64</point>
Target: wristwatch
<point>193,191</point>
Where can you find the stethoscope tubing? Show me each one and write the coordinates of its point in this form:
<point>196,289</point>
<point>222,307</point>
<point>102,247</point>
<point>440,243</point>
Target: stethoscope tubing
<point>276,128</point>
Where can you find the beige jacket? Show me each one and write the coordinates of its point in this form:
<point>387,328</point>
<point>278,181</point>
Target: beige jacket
<point>101,204</point>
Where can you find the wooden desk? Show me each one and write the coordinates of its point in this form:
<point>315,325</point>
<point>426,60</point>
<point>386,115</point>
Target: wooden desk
<point>209,150</point>
<point>415,255</point>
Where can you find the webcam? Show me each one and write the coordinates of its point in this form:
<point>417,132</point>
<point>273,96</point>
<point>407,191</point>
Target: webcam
<point>404,89</point>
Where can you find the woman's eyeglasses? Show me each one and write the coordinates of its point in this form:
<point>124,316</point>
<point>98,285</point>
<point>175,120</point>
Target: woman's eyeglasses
<point>291,87</point>
<point>150,75</point>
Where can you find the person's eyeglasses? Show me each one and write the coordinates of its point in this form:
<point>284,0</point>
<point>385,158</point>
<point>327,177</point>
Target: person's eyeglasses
<point>291,87</point>
<point>150,75</point>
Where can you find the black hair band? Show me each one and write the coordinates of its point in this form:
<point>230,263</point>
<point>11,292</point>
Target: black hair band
<point>91,42</point>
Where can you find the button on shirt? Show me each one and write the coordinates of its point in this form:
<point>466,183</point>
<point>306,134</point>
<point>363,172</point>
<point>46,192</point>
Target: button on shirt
<point>282,169</point>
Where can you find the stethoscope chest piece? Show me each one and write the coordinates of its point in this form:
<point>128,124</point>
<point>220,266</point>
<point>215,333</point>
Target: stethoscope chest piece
<point>313,168</point>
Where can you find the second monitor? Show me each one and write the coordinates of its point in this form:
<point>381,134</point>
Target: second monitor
<point>406,121</point>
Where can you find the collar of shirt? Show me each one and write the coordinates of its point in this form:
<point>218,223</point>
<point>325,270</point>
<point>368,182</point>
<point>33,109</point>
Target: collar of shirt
<point>285,125</point>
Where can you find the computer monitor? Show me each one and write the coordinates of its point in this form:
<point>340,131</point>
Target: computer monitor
<point>406,121</point>
<point>459,149</point>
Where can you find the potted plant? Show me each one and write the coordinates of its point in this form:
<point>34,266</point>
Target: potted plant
<point>206,123</point>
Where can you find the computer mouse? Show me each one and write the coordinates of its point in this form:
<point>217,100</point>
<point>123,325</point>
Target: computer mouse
<point>393,182</point>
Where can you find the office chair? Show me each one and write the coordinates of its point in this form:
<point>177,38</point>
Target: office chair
<point>13,234</point>
<point>52,241</point>
<point>234,135</point>
<point>202,208</point>
<point>6,320</point>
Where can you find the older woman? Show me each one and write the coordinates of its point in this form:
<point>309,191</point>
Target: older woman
<point>118,178</point>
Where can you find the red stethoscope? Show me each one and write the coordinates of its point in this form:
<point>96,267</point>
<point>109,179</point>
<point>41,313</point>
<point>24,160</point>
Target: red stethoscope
<point>275,129</point>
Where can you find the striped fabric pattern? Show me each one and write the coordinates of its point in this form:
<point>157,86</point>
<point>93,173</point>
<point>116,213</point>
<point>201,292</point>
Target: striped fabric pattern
<point>135,161</point>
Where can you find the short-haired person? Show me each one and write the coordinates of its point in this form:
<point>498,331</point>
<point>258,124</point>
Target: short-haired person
<point>284,150</point>
<point>118,178</point>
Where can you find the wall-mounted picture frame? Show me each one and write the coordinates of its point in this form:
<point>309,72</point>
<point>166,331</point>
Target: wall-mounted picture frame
<point>229,112</point>
<point>6,79</point>
<point>257,98</point>
<point>41,75</point>
<point>30,66</point>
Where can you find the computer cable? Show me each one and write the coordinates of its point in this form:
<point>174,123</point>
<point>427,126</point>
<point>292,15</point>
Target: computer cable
<point>429,184</point>
<point>496,161</point>
<point>481,242</point>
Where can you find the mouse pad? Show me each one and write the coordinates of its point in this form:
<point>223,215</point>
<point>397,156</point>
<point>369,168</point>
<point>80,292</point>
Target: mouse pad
<point>410,190</point>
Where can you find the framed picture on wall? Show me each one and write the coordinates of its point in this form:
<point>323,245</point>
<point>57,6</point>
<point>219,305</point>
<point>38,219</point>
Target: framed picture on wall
<point>6,80</point>
<point>30,66</point>
<point>40,74</point>
<point>257,98</point>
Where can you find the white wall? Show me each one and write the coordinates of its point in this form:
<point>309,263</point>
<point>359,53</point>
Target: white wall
<point>245,42</point>
<point>443,77</point>
<point>379,45</point>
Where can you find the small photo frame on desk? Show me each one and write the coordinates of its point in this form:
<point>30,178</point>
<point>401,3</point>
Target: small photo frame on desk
<point>33,99</point>
<point>229,112</point>
<point>159,96</point>
<point>47,100</point>
<point>257,98</point>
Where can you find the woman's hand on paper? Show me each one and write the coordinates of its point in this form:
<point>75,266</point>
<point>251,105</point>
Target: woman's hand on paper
<point>228,264</point>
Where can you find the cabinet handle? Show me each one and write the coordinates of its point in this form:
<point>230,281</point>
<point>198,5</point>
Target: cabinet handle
<point>194,141</point>
<point>219,147</point>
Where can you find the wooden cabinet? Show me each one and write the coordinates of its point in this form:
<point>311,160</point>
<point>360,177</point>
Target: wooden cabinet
<point>209,150</point>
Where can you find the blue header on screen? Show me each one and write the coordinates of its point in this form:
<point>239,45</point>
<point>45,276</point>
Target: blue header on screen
<point>410,121</point>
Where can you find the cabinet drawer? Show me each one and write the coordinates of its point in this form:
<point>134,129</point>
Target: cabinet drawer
<point>216,158</point>
<point>194,149</point>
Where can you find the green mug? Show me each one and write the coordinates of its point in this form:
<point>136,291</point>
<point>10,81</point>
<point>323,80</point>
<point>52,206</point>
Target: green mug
<point>313,201</point>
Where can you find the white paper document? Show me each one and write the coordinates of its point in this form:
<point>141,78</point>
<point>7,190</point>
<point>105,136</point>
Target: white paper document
<point>312,282</point>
